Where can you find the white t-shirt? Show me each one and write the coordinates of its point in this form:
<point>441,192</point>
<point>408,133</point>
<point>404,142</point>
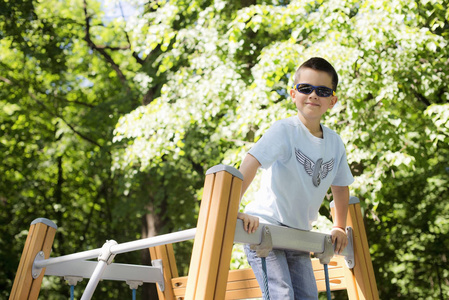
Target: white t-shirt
<point>298,169</point>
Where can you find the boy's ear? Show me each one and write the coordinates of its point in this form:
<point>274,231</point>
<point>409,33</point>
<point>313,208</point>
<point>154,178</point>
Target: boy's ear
<point>334,101</point>
<point>292,94</point>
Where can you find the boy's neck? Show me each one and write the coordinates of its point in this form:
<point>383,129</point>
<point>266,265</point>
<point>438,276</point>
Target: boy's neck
<point>314,126</point>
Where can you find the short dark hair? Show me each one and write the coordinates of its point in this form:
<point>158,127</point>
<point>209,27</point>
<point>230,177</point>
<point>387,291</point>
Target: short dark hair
<point>319,64</point>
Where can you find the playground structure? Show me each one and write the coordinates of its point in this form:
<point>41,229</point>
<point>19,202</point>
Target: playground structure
<point>209,276</point>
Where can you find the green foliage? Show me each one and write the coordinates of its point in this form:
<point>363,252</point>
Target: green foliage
<point>392,60</point>
<point>105,123</point>
<point>59,103</point>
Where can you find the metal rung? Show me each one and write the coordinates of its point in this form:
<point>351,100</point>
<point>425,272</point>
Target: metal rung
<point>121,272</point>
<point>291,239</point>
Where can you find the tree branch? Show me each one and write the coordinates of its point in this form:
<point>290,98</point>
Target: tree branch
<point>63,120</point>
<point>135,55</point>
<point>6,80</point>
<point>101,50</point>
<point>10,82</point>
<point>421,98</point>
<point>112,48</point>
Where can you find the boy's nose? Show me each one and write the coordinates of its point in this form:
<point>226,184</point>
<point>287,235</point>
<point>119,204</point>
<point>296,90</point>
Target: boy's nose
<point>313,94</point>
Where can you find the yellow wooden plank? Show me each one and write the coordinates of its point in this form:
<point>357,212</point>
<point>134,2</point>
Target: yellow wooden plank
<point>163,253</point>
<point>203,217</point>
<point>228,237</point>
<point>244,288</point>
<point>172,260</point>
<point>336,284</point>
<point>351,284</point>
<point>154,254</point>
<point>244,294</point>
<point>333,273</point>
<point>46,248</point>
<point>371,285</point>
<point>240,281</point>
<point>242,274</point>
<point>213,241</point>
<point>358,275</point>
<point>40,238</point>
<point>21,268</point>
<point>242,284</point>
<point>336,262</point>
<point>360,270</point>
<point>35,246</point>
<point>234,275</point>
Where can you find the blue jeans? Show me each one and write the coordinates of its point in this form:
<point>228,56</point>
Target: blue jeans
<point>290,274</point>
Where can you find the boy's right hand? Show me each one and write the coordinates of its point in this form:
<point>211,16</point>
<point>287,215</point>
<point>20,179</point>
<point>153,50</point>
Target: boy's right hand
<point>250,223</point>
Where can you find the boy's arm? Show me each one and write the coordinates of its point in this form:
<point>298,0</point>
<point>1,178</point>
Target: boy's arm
<point>248,168</point>
<point>341,200</point>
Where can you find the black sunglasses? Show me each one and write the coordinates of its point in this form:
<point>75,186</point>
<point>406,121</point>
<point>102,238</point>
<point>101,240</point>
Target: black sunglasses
<point>321,91</point>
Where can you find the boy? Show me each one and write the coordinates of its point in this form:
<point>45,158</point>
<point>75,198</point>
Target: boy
<point>301,159</point>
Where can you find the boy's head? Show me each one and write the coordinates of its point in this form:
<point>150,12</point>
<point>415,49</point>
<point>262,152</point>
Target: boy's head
<point>319,64</point>
<point>314,91</point>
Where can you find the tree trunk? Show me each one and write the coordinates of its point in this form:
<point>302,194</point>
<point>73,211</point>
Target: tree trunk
<point>151,223</point>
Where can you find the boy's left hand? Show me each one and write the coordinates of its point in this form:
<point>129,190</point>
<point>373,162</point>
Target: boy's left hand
<point>250,223</point>
<point>339,239</point>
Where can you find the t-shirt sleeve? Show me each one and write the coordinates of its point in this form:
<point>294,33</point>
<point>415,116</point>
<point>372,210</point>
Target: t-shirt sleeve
<point>272,146</point>
<point>344,176</point>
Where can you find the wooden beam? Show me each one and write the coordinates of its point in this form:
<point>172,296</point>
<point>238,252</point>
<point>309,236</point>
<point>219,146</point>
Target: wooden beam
<point>170,270</point>
<point>242,284</point>
<point>209,265</point>
<point>40,238</point>
<point>360,281</point>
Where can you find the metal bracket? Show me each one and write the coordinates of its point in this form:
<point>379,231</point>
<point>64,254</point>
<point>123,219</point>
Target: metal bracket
<point>326,256</point>
<point>349,258</point>
<point>35,271</point>
<point>73,280</point>
<point>264,248</point>
<point>106,255</point>
<point>134,284</point>
<point>328,252</point>
<point>158,264</point>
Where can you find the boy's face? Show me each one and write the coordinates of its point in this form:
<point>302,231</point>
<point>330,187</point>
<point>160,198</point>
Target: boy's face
<point>311,107</point>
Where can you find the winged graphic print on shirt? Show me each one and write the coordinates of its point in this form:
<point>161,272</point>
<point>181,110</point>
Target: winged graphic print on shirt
<point>318,170</point>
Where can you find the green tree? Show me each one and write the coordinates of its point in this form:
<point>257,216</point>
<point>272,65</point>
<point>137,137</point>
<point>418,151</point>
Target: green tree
<point>63,87</point>
<point>108,125</point>
<point>392,58</point>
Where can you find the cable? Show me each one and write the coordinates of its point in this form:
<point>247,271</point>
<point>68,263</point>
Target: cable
<point>72,292</point>
<point>266,293</point>
<point>328,286</point>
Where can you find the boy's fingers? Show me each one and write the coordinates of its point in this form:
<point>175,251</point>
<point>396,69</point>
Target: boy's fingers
<point>250,224</point>
<point>245,224</point>
<point>255,225</point>
<point>251,227</point>
<point>340,242</point>
<point>337,246</point>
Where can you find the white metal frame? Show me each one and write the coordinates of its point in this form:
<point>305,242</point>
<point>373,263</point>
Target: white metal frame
<point>77,265</point>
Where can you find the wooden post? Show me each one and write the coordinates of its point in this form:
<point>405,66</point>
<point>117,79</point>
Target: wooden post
<point>360,281</point>
<point>40,238</point>
<point>211,255</point>
<point>170,270</point>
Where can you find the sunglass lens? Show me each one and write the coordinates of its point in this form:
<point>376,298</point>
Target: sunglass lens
<point>323,92</point>
<point>305,88</point>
